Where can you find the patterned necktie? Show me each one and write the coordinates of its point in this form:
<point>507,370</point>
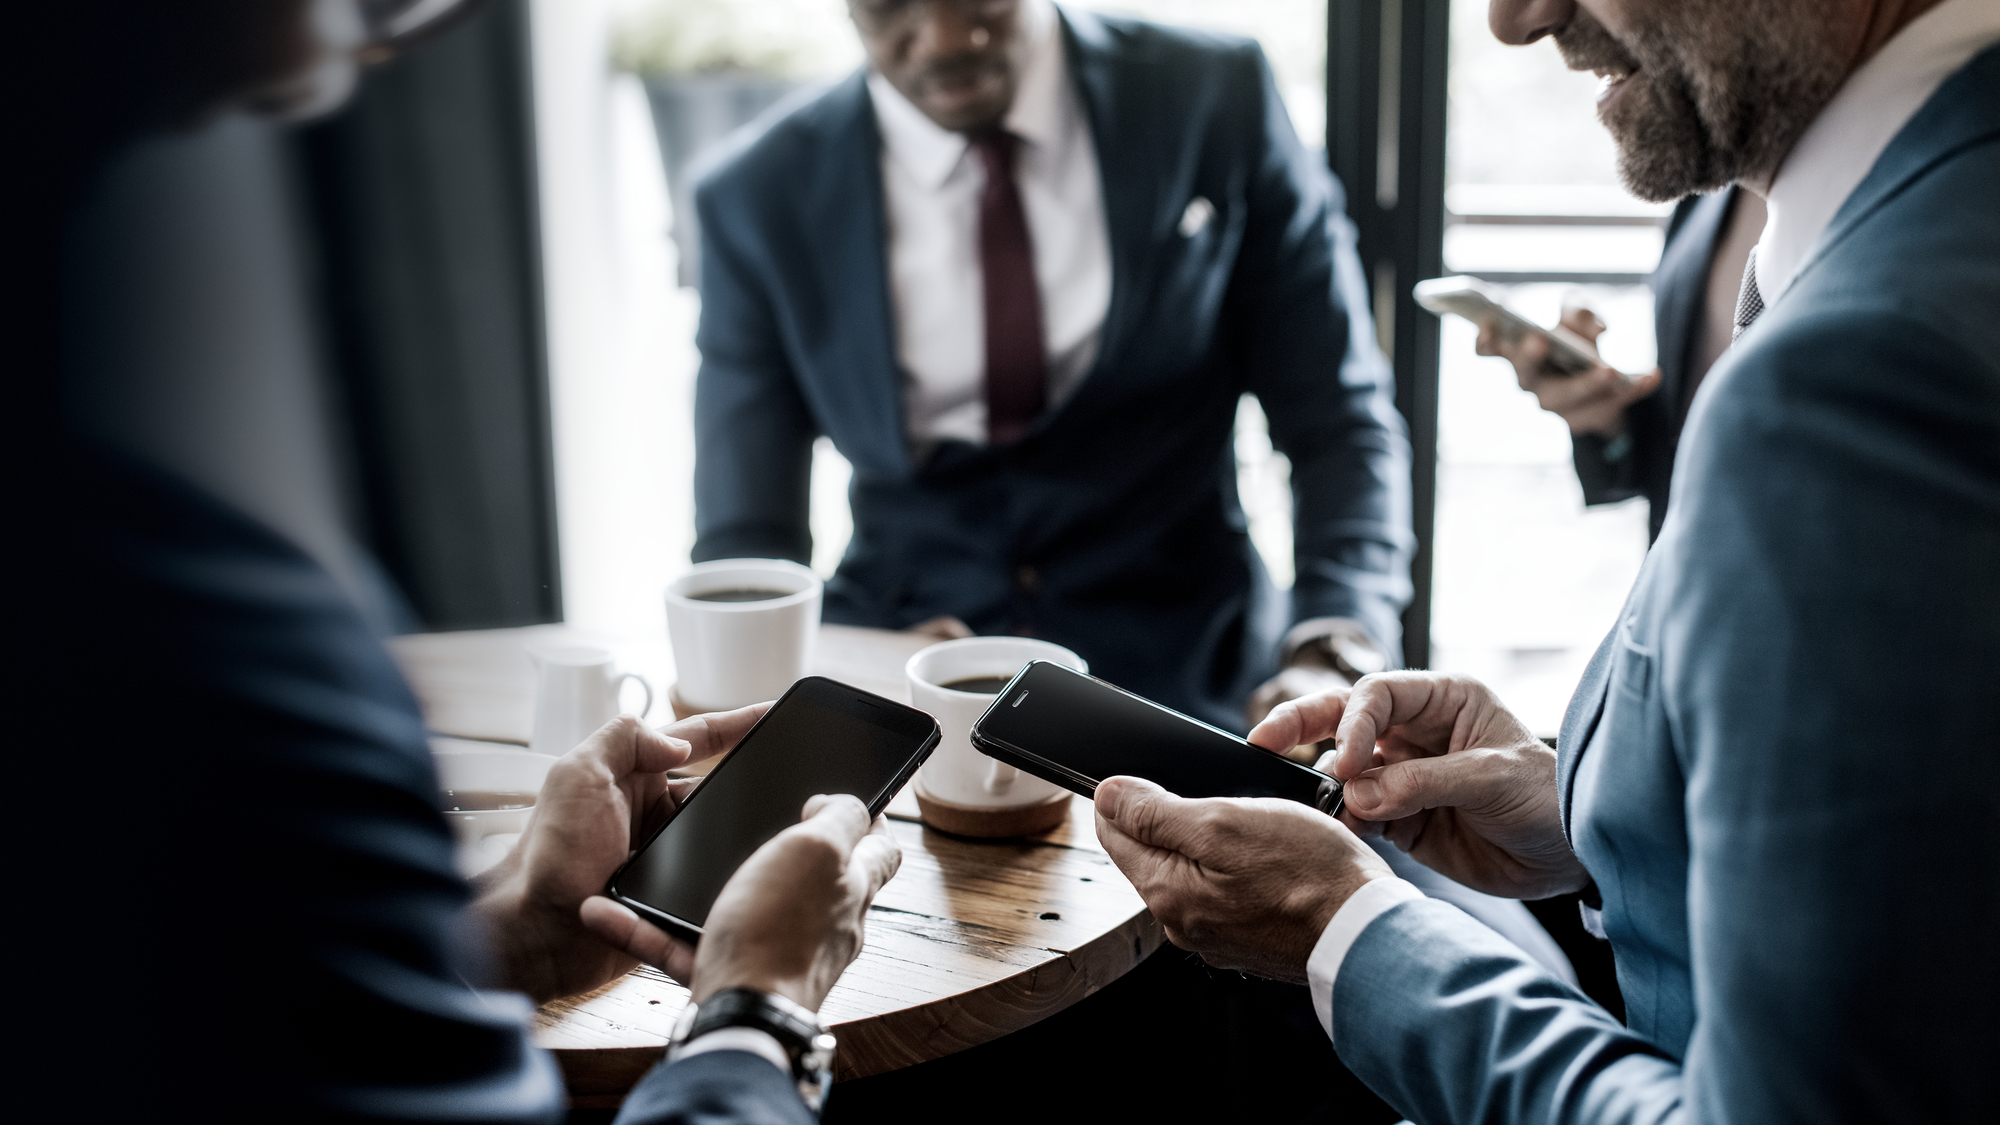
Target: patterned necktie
<point>1016,358</point>
<point>1749,300</point>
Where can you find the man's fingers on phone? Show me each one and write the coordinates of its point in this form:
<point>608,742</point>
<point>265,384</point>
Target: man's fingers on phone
<point>1403,789</point>
<point>1531,360</point>
<point>1488,342</point>
<point>1582,321</point>
<point>1300,722</point>
<point>875,861</point>
<point>617,926</point>
<point>839,818</point>
<point>711,734</point>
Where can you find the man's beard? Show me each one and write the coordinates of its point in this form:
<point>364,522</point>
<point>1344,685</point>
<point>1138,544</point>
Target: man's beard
<point>1719,90</point>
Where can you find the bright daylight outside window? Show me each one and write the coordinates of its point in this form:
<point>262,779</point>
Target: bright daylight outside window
<point>1527,580</point>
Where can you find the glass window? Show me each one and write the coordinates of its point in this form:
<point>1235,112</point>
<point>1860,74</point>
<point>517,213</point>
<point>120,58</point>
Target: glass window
<point>1527,579</point>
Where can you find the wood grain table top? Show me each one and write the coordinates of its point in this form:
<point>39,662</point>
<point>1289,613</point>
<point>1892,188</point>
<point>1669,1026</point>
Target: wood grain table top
<point>970,940</point>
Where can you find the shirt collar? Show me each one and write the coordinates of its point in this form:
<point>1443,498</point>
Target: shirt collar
<point>1837,150</point>
<point>930,152</point>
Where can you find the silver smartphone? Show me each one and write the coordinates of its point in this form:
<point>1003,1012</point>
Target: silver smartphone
<point>1569,353</point>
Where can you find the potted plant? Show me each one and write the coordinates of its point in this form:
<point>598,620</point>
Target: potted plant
<point>710,67</point>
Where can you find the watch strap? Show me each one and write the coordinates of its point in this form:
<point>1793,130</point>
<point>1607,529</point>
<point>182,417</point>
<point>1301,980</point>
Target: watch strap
<point>806,1042</point>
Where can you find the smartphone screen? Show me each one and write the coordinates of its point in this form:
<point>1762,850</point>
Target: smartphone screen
<point>1077,730</point>
<point>820,737</point>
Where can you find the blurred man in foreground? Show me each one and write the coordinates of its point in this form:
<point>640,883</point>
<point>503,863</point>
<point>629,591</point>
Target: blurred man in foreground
<point>233,893</point>
<point>1780,772</point>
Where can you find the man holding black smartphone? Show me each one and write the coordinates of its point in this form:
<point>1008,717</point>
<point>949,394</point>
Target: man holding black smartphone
<point>1777,781</point>
<point>233,894</point>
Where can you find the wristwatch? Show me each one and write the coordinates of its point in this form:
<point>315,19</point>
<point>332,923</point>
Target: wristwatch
<point>805,1040</point>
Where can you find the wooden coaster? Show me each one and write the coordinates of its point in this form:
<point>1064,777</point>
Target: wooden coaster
<point>991,824</point>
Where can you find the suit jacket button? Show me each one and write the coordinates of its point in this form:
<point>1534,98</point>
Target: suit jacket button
<point>1027,579</point>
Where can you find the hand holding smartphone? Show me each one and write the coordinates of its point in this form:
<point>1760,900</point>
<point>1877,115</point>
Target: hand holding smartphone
<point>821,736</point>
<point>1076,730</point>
<point>1569,353</point>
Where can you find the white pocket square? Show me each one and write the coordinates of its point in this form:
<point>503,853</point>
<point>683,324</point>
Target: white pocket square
<point>1199,212</point>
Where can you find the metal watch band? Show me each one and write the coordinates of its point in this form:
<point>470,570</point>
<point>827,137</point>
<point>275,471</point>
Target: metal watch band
<point>805,1040</point>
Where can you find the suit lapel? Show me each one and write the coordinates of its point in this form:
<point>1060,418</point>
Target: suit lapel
<point>1579,724</point>
<point>845,226</point>
<point>1964,111</point>
<point>1682,283</point>
<point>1128,156</point>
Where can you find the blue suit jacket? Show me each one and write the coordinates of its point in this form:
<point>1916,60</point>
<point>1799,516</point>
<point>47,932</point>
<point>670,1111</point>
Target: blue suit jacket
<point>1782,767</point>
<point>1113,528</point>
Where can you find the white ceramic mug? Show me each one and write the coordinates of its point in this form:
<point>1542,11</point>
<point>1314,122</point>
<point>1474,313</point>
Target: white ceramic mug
<point>576,692</point>
<point>486,835</point>
<point>956,772</point>
<point>735,653</point>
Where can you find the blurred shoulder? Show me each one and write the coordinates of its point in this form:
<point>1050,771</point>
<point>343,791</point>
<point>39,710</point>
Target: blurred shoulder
<point>1190,56</point>
<point>799,134</point>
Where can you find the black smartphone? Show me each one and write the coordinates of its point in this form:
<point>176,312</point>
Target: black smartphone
<point>821,736</point>
<point>1076,730</point>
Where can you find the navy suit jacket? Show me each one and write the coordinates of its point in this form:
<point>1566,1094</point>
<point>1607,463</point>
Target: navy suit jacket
<point>1680,289</point>
<point>233,891</point>
<point>1782,768</point>
<point>1114,527</point>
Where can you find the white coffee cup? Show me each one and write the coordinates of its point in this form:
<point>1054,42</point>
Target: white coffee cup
<point>734,653</point>
<point>485,835</point>
<point>576,692</point>
<point>956,772</point>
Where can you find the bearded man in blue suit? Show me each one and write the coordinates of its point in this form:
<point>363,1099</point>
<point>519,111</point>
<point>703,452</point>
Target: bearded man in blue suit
<point>1780,773</point>
<point>1021,271</point>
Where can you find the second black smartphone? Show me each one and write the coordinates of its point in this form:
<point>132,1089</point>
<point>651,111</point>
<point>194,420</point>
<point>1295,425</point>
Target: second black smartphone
<point>821,736</point>
<point>1076,730</point>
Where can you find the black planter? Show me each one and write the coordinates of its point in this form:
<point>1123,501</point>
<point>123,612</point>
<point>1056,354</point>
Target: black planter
<point>693,114</point>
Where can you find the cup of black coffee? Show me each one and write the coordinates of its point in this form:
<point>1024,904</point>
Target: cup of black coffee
<point>486,795</point>
<point>959,789</point>
<point>742,631</point>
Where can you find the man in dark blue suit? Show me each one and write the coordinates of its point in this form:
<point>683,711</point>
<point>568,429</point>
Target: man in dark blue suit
<point>1021,273</point>
<point>232,891</point>
<point>1779,775</point>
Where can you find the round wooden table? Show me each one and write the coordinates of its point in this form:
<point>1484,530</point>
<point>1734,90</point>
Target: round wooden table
<point>970,940</point>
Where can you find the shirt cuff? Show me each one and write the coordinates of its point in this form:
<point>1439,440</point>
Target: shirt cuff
<point>1375,898</point>
<point>760,1043</point>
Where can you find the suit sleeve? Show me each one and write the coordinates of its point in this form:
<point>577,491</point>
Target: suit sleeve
<point>753,431</point>
<point>1309,351</point>
<point>1823,673</point>
<point>274,913</point>
<point>718,1088</point>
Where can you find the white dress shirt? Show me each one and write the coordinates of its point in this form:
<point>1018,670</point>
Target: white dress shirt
<point>931,183</point>
<point>1837,150</point>
<point>1823,169</point>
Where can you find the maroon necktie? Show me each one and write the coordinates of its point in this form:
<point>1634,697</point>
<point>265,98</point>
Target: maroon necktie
<point>1016,365</point>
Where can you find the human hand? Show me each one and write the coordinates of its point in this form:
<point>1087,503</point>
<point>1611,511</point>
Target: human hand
<point>1434,762</point>
<point>1248,883</point>
<point>1303,678</point>
<point>1593,401</point>
<point>601,800</point>
<point>789,921</point>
